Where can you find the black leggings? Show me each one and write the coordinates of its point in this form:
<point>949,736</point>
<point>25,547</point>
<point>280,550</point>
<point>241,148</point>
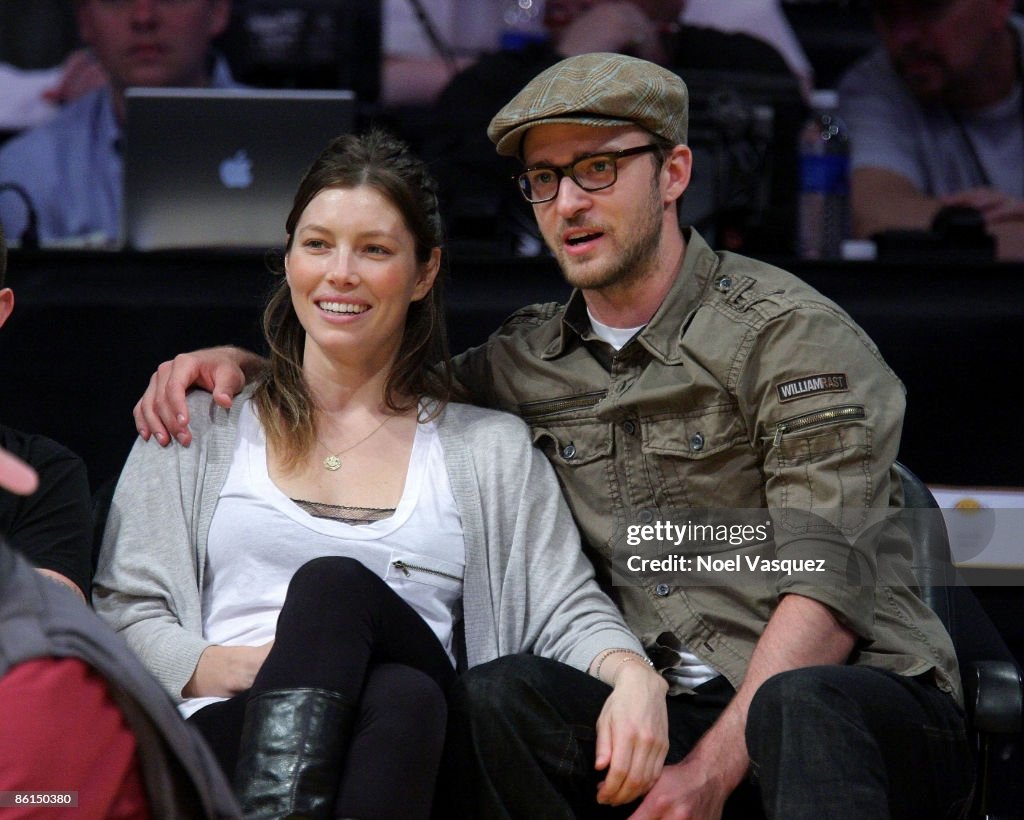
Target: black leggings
<point>342,628</point>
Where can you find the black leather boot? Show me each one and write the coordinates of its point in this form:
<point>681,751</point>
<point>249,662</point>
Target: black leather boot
<point>292,748</point>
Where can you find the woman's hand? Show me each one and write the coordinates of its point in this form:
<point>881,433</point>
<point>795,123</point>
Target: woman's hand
<point>632,732</point>
<point>224,671</point>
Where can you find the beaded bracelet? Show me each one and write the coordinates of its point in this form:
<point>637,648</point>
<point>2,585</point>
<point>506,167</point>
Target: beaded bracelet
<point>630,655</point>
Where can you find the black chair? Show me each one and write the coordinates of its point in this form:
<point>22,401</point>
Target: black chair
<point>993,690</point>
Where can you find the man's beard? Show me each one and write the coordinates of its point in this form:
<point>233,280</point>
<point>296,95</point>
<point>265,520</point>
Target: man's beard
<point>635,261</point>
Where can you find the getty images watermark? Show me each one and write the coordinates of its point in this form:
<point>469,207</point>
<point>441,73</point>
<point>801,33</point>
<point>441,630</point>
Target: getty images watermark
<point>724,536</point>
<point>848,546</point>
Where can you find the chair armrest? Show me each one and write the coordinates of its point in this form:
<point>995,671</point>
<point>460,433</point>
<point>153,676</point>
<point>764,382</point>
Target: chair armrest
<point>994,696</point>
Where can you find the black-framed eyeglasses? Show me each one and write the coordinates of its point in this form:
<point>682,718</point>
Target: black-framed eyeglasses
<point>592,172</point>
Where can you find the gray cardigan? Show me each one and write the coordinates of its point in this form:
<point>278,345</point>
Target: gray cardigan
<point>528,586</point>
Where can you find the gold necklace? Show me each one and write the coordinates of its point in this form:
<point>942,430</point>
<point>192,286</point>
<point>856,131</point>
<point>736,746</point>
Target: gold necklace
<point>333,460</point>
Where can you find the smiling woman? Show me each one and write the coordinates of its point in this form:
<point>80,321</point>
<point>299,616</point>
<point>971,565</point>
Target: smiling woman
<point>352,274</point>
<point>361,302</point>
<point>341,516</point>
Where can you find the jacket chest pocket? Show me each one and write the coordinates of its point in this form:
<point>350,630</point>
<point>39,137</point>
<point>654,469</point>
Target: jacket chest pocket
<point>569,443</point>
<point>581,453</point>
<point>701,459</point>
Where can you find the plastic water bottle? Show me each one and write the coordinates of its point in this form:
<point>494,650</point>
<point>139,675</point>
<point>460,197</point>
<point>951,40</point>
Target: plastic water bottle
<point>824,206</point>
<point>523,24</point>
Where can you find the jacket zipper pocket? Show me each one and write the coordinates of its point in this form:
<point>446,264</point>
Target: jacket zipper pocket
<point>818,418</point>
<point>404,567</point>
<point>536,410</point>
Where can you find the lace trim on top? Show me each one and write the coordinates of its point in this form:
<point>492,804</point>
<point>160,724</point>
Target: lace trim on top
<point>347,515</point>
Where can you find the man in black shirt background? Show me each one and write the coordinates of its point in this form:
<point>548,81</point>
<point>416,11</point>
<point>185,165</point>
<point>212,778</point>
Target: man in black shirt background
<point>52,526</point>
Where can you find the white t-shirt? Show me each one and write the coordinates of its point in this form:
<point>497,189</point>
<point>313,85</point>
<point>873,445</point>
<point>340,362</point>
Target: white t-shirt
<point>259,537</point>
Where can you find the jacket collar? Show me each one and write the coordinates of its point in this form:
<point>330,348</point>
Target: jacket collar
<point>661,335</point>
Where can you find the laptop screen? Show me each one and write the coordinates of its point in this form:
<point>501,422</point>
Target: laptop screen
<point>217,168</point>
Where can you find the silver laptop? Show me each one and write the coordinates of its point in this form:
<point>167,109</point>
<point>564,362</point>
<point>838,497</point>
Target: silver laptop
<point>217,168</point>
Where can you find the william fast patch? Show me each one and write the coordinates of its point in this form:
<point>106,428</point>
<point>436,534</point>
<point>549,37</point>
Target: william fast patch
<point>812,386</point>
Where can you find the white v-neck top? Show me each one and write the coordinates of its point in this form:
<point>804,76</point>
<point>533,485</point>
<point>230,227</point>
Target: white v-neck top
<point>259,537</point>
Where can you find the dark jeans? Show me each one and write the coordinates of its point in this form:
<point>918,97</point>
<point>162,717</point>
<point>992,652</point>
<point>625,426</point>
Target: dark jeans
<point>342,628</point>
<point>859,742</point>
<point>521,744</point>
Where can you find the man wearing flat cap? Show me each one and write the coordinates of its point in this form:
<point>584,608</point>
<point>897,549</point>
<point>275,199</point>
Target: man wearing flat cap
<point>725,437</point>
<point>678,379</point>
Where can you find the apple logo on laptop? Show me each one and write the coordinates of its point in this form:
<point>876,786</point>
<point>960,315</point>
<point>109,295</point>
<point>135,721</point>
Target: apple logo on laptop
<point>236,170</point>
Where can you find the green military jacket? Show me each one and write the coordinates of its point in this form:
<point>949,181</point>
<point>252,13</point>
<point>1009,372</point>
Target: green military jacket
<point>748,397</point>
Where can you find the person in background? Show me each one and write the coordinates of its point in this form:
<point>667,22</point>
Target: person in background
<point>84,727</point>
<point>69,169</point>
<point>51,525</point>
<point>305,579</point>
<point>678,381</point>
<point>936,118</point>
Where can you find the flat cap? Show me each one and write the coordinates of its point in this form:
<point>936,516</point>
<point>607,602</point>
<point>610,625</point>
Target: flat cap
<point>599,89</point>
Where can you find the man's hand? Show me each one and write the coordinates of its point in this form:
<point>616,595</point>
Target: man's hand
<point>884,200</point>
<point>82,73</point>
<point>632,733</point>
<point>801,632</point>
<point>697,787</point>
<point>995,206</point>
<point>162,412</point>
<point>685,791</point>
<point>1003,215</point>
<point>16,476</point>
<point>224,671</point>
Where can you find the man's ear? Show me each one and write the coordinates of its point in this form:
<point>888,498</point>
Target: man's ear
<point>6,304</point>
<point>676,170</point>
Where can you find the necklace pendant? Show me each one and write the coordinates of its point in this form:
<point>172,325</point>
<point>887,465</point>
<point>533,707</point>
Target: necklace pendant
<point>332,463</point>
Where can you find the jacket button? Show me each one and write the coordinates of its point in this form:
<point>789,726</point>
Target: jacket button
<point>645,516</point>
<point>629,427</point>
<point>569,451</point>
<point>661,590</point>
<point>697,442</point>
<point>724,283</point>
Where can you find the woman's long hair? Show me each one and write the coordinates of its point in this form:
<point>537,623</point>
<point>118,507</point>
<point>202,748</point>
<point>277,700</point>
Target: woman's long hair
<point>421,369</point>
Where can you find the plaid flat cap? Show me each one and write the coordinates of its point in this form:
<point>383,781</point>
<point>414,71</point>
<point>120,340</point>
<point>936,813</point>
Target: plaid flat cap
<point>600,89</point>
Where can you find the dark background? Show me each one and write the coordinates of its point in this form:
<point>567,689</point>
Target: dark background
<point>89,328</point>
